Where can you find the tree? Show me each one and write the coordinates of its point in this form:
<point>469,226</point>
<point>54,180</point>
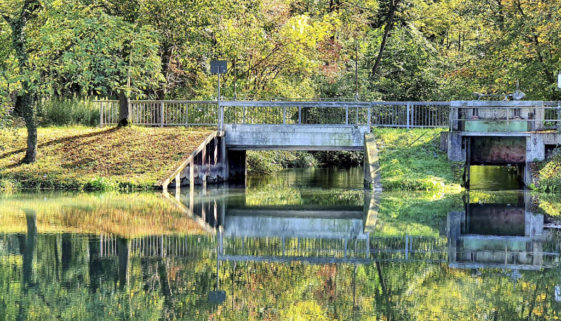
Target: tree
<point>25,100</point>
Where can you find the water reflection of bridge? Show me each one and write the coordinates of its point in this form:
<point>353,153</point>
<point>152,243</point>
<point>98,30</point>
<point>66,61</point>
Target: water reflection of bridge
<point>503,234</point>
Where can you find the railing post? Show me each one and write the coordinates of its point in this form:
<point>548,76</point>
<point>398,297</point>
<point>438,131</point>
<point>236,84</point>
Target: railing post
<point>408,120</point>
<point>284,115</point>
<point>186,114</point>
<point>220,109</point>
<point>299,115</point>
<point>161,114</point>
<point>129,107</point>
<point>101,114</point>
<point>369,122</point>
<point>346,115</point>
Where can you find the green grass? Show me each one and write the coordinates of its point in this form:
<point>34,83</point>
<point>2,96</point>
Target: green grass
<point>85,158</point>
<point>548,173</point>
<point>412,160</point>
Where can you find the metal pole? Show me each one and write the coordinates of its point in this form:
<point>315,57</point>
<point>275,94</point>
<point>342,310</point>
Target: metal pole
<point>220,108</point>
<point>369,119</point>
<point>101,114</point>
<point>408,120</point>
<point>161,114</point>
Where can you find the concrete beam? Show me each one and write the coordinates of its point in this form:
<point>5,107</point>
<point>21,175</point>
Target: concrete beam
<point>295,137</point>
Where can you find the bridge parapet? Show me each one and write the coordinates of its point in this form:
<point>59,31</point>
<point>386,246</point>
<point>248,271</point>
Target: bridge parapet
<point>501,116</point>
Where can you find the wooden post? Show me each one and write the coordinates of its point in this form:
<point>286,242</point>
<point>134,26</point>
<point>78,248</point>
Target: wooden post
<point>177,185</point>
<point>192,183</point>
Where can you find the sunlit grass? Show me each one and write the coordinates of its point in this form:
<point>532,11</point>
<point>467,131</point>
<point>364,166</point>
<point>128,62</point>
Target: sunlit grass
<point>412,160</point>
<point>96,159</point>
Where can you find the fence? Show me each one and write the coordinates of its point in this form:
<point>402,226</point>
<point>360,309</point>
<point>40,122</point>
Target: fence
<point>207,113</point>
<point>519,115</point>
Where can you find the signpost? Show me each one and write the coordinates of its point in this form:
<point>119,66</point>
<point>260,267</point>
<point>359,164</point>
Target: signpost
<point>218,67</point>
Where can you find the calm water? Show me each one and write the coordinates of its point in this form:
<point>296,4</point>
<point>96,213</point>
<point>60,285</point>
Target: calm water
<point>299,245</point>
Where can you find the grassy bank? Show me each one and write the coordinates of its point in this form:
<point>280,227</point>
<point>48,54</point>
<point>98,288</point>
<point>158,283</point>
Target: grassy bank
<point>85,158</point>
<point>412,160</point>
<point>547,174</point>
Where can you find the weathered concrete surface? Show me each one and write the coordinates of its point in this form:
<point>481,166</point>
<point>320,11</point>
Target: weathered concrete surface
<point>498,150</point>
<point>456,147</point>
<point>535,148</point>
<point>296,137</point>
<point>494,126</point>
<point>371,164</point>
<point>528,114</point>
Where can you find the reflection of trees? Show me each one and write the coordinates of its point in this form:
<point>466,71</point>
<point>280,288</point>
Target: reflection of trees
<point>130,286</point>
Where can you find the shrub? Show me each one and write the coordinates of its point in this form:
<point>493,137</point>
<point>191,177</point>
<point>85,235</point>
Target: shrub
<point>62,112</point>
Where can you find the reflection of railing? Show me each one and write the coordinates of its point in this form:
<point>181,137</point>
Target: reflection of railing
<point>277,249</point>
<point>207,113</point>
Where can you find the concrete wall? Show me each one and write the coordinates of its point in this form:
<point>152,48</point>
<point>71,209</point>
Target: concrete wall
<point>296,137</point>
<point>371,164</point>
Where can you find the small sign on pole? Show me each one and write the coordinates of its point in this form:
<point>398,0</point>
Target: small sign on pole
<point>218,67</point>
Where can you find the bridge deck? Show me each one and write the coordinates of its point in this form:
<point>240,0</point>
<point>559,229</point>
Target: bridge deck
<point>296,137</point>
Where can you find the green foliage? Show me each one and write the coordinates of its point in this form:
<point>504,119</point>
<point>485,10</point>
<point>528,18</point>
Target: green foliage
<point>549,173</point>
<point>64,112</point>
<point>272,161</point>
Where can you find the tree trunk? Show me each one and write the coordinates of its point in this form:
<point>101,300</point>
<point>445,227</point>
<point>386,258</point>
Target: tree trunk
<point>387,29</point>
<point>30,122</point>
<point>124,102</point>
<point>19,41</point>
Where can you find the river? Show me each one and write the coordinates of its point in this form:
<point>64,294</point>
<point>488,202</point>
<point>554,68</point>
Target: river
<point>303,244</point>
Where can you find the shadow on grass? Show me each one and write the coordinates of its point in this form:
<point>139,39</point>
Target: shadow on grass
<point>68,140</point>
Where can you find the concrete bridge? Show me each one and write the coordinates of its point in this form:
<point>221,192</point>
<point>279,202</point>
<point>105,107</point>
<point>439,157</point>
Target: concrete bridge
<point>481,132</point>
<point>277,125</point>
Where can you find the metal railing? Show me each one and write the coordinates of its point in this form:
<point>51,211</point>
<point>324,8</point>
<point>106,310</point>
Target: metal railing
<point>522,115</point>
<point>209,113</point>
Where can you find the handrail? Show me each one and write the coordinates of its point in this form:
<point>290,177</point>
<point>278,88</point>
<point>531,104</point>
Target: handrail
<point>176,173</point>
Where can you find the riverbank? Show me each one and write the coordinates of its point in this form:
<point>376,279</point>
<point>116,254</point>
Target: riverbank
<point>412,160</point>
<point>85,158</point>
<point>547,174</point>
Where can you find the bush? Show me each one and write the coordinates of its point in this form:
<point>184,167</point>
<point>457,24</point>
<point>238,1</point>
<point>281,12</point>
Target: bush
<point>63,112</point>
<point>272,161</point>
